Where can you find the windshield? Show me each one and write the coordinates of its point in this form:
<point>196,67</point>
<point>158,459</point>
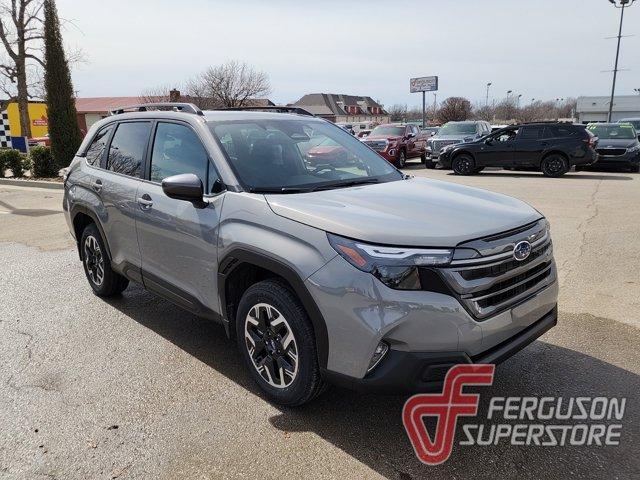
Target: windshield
<point>275,155</point>
<point>635,123</point>
<point>387,130</point>
<point>612,132</point>
<point>457,129</point>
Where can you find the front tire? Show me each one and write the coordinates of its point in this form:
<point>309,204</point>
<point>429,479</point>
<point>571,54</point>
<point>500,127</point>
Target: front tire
<point>402,159</point>
<point>554,166</point>
<point>97,266</point>
<point>463,164</point>
<point>276,338</point>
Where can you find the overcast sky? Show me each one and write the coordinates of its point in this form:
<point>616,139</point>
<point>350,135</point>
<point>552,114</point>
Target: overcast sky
<point>543,49</point>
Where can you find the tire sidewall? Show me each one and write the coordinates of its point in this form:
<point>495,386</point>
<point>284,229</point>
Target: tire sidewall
<point>549,174</point>
<point>105,287</point>
<point>300,326</point>
<point>456,167</point>
<point>402,159</point>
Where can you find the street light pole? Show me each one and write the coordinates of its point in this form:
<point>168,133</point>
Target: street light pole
<point>621,4</point>
<point>487,101</point>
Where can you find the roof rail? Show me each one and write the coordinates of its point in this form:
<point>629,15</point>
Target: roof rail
<point>172,106</point>
<point>271,108</point>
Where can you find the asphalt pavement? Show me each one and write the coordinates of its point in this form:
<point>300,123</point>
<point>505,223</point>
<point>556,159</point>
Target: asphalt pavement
<point>137,388</point>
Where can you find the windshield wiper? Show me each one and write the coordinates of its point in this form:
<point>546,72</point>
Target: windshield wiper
<point>278,190</point>
<point>323,186</point>
<point>350,183</point>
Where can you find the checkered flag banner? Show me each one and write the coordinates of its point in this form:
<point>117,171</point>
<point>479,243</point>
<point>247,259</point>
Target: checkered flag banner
<point>5,131</point>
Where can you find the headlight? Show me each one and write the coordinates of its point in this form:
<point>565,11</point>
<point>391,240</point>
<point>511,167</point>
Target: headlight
<point>634,149</point>
<point>446,148</point>
<point>396,267</point>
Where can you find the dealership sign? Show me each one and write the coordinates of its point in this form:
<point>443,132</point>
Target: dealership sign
<point>423,84</point>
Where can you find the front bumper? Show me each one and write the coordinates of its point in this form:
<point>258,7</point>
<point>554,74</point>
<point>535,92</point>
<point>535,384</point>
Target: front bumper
<point>421,327</point>
<point>413,372</point>
<point>627,160</point>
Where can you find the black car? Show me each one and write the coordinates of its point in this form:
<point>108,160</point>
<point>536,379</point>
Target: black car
<point>618,146</point>
<point>552,148</point>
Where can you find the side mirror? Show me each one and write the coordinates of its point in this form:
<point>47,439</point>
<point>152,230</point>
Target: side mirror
<point>488,140</point>
<point>186,186</point>
<point>433,133</point>
<point>411,135</point>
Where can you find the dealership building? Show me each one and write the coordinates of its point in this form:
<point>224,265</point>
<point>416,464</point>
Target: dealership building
<point>596,109</point>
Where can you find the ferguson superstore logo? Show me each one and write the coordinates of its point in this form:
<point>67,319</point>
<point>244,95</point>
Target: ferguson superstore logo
<point>519,421</point>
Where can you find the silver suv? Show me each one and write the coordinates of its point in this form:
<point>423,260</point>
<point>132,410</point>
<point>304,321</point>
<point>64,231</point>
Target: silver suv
<point>452,133</point>
<point>327,265</point>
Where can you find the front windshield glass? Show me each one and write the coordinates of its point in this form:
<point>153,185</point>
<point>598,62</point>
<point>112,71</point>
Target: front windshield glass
<point>612,132</point>
<point>457,129</point>
<point>384,130</point>
<point>274,155</point>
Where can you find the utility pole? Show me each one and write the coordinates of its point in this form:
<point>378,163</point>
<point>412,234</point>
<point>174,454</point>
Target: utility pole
<point>424,111</point>
<point>487,101</point>
<point>435,104</point>
<point>621,4</point>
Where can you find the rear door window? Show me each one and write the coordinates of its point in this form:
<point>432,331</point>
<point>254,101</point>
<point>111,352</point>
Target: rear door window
<point>127,149</point>
<point>531,133</point>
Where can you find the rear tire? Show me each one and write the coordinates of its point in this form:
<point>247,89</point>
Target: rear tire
<point>635,168</point>
<point>276,338</point>
<point>463,164</point>
<point>554,165</point>
<point>97,266</point>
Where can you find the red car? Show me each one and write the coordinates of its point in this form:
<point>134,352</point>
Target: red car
<point>328,152</point>
<point>398,143</point>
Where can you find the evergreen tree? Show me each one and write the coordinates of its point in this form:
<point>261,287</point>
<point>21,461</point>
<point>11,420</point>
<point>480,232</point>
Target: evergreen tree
<point>63,118</point>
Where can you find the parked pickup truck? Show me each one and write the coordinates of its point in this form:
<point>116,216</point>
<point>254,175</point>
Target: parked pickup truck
<point>398,143</point>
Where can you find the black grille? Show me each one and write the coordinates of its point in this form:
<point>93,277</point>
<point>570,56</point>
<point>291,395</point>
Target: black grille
<point>515,291</point>
<point>438,144</point>
<point>501,268</point>
<point>612,152</point>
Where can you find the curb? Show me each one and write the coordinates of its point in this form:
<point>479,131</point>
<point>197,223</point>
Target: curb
<point>32,183</point>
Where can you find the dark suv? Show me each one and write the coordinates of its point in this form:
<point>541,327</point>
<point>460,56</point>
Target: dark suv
<point>552,148</point>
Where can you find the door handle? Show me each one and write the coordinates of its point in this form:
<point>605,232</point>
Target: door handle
<point>97,185</point>
<point>145,202</point>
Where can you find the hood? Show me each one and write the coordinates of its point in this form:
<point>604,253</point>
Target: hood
<point>617,143</point>
<point>384,137</point>
<point>470,136</point>
<point>413,212</point>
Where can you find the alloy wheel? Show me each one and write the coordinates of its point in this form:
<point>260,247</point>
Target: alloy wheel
<point>554,165</point>
<point>271,345</point>
<point>463,165</point>
<point>94,260</point>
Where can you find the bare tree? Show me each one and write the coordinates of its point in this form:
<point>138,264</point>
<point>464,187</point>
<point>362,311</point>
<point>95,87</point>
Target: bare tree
<point>21,35</point>
<point>160,93</point>
<point>228,85</point>
<point>397,112</point>
<point>454,109</point>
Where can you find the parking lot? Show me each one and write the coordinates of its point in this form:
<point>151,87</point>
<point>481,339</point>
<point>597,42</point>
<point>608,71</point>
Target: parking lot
<point>138,388</point>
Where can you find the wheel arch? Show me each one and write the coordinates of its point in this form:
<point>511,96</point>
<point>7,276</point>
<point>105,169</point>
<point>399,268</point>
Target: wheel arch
<point>554,151</point>
<point>81,216</point>
<point>457,153</point>
<point>242,268</point>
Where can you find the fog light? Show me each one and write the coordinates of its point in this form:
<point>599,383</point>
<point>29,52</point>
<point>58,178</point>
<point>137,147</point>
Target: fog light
<point>378,354</point>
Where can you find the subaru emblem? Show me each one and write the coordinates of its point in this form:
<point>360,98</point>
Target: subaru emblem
<point>522,250</point>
